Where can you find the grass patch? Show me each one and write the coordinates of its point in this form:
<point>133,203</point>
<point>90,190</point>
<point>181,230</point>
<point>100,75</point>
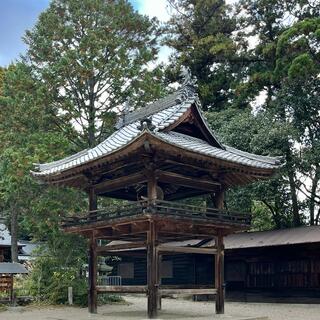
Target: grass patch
<point>110,299</point>
<point>3,307</point>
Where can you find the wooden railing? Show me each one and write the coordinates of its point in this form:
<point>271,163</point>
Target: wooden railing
<point>158,207</point>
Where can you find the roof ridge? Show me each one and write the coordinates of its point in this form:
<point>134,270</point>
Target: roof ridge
<point>181,95</point>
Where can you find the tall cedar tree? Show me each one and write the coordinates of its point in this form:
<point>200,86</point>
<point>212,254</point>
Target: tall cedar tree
<point>201,34</point>
<point>260,61</point>
<point>93,55</point>
<point>27,136</point>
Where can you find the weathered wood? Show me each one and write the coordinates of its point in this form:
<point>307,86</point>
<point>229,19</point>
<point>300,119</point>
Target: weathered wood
<point>92,292</point>
<point>122,289</point>
<point>174,249</point>
<point>119,183</point>
<point>159,302</point>
<point>122,246</point>
<point>152,187</point>
<point>188,291</point>
<point>219,275</point>
<point>186,181</point>
<point>218,199</point>
<point>93,202</point>
<point>152,270</point>
<point>92,263</point>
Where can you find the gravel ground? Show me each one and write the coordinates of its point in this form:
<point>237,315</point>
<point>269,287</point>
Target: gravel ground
<point>172,309</point>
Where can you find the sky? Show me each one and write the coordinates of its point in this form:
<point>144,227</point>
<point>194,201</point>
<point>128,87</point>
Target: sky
<point>16,16</point>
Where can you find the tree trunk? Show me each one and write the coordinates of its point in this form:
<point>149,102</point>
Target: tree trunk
<point>14,235</point>
<point>293,190</point>
<point>295,208</point>
<point>312,205</point>
<point>92,116</point>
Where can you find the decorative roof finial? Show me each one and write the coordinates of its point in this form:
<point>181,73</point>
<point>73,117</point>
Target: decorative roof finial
<point>186,75</point>
<point>146,124</point>
<point>124,112</point>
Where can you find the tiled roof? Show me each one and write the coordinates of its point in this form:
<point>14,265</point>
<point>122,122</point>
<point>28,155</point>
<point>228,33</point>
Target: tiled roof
<point>257,239</point>
<point>284,237</point>
<point>162,113</point>
<point>228,154</point>
<point>12,268</point>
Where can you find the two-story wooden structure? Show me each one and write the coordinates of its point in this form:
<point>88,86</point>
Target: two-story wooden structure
<point>159,155</point>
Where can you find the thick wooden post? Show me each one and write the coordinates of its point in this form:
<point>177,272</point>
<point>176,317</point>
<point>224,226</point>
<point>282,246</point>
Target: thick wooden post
<point>152,254</point>
<point>219,274</point>
<point>218,199</point>
<point>159,304</point>
<point>152,269</point>
<point>92,292</point>
<point>152,187</point>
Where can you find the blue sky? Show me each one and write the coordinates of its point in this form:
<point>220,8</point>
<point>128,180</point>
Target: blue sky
<point>15,17</point>
<point>18,15</point>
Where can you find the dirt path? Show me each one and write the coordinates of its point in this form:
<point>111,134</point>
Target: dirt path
<point>172,309</point>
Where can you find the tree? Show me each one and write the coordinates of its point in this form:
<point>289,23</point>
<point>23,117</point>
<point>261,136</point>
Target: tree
<point>27,136</point>
<point>201,32</point>
<point>92,56</point>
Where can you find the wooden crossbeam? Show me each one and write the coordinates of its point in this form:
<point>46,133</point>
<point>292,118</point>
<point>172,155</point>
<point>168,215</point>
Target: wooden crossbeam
<point>186,181</point>
<point>122,246</point>
<point>119,183</point>
<point>199,291</point>
<point>174,249</point>
<point>122,289</point>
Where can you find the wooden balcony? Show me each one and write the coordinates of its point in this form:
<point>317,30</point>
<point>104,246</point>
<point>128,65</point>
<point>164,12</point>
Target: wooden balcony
<point>158,207</point>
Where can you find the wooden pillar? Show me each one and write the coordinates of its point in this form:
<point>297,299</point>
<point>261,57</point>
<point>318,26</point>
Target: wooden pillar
<point>93,200</point>
<point>152,269</point>
<point>92,292</point>
<point>159,303</point>
<point>218,199</point>
<point>219,274</point>
<point>152,254</point>
<point>11,290</point>
<point>152,186</point>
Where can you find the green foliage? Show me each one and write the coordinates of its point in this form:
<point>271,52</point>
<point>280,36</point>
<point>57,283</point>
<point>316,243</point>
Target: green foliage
<point>92,56</point>
<point>59,265</point>
<point>298,50</point>
<point>201,34</point>
<point>262,218</point>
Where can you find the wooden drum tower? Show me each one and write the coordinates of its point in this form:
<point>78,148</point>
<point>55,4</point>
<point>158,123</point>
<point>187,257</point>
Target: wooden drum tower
<point>159,155</point>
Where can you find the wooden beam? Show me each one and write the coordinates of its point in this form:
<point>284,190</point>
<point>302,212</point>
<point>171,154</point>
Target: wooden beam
<point>219,274</point>
<point>186,181</point>
<point>173,249</point>
<point>188,291</point>
<point>122,289</point>
<point>123,246</point>
<point>119,183</point>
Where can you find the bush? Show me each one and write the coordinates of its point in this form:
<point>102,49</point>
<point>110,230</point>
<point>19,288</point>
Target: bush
<point>109,298</point>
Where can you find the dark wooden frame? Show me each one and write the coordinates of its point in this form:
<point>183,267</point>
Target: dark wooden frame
<point>150,224</point>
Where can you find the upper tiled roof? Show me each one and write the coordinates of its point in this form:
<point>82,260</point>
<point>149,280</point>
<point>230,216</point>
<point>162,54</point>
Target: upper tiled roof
<point>227,153</point>
<point>162,113</point>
